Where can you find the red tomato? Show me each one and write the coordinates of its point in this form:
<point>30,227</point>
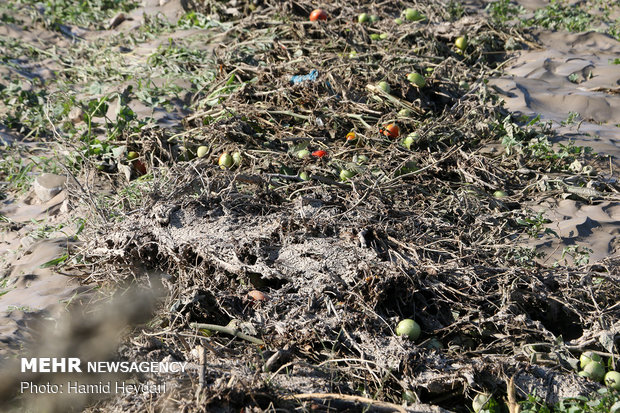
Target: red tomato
<point>319,153</point>
<point>391,131</point>
<point>318,14</point>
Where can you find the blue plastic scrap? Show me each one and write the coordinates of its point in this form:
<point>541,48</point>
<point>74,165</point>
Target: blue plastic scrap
<point>302,78</point>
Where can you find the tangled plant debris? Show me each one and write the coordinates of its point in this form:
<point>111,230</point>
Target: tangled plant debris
<point>329,177</point>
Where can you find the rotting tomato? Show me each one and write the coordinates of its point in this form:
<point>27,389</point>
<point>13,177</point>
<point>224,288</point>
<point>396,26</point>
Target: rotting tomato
<point>318,14</point>
<point>391,131</point>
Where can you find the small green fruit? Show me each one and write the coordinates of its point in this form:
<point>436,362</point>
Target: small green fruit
<point>383,36</point>
<point>596,370</point>
<point>500,194</point>
<point>132,155</point>
<point>587,357</point>
<point>461,43</point>
<point>304,176</point>
<point>225,160</point>
<point>346,174</point>
<point>375,36</point>
<point>413,15</point>
<point>202,151</point>
<point>304,153</point>
<point>479,401</point>
<point>398,20</point>
<point>409,140</point>
<point>612,380</point>
<point>404,113</point>
<point>409,328</point>
<point>352,54</point>
<point>409,396</point>
<point>374,18</point>
<point>416,79</point>
<point>384,86</point>
<point>237,158</point>
<point>360,159</point>
<point>363,18</point>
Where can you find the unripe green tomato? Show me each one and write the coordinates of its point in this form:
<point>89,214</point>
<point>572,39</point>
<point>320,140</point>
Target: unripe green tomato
<point>132,155</point>
<point>461,43</point>
<point>398,20</point>
<point>202,151</point>
<point>413,15</point>
<point>404,113</point>
<point>596,370</point>
<point>612,380</point>
<point>236,158</point>
<point>500,194</point>
<point>384,86</point>
<point>587,357</point>
<point>383,36</point>
<point>375,36</point>
<point>304,153</point>
<point>408,328</point>
<point>409,396</point>
<point>479,401</point>
<point>346,174</point>
<point>363,18</point>
<point>225,160</point>
<point>416,79</point>
<point>304,175</point>
<point>374,18</point>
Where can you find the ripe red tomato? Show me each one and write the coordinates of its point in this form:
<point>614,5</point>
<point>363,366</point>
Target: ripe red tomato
<point>318,14</point>
<point>319,153</point>
<point>391,131</point>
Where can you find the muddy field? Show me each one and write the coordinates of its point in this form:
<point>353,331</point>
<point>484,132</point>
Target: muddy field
<point>263,198</point>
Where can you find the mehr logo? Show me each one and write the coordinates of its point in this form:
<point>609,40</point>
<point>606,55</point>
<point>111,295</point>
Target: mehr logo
<point>51,365</point>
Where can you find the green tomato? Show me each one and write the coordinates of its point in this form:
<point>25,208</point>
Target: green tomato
<point>408,328</point>
<point>479,401</point>
<point>346,174</point>
<point>417,79</point>
<point>202,151</point>
<point>237,158</point>
<point>374,18</point>
<point>612,380</point>
<point>404,113</point>
<point>383,36</point>
<point>500,194</point>
<point>225,160</point>
<point>409,140</point>
<point>461,43</point>
<point>360,159</point>
<point>384,86</point>
<point>413,15</point>
<point>375,36</point>
<point>409,396</point>
<point>363,18</point>
<point>587,357</point>
<point>398,21</point>
<point>304,153</point>
<point>596,370</point>
<point>304,176</point>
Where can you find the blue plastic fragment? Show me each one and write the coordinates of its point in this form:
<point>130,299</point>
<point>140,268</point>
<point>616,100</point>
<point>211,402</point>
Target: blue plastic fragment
<point>302,78</point>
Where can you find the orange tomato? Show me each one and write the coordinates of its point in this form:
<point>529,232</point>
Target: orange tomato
<point>319,153</point>
<point>351,136</point>
<point>318,14</point>
<point>391,131</point>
